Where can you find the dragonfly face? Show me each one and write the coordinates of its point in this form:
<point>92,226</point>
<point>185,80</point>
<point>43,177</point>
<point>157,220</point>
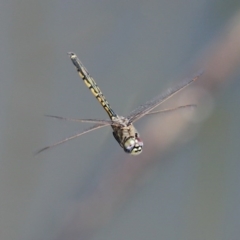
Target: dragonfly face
<point>133,145</point>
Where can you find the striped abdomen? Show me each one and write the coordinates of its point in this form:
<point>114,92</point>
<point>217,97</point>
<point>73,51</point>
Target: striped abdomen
<point>91,84</point>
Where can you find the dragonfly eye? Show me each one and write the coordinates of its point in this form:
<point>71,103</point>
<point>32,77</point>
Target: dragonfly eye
<point>133,146</point>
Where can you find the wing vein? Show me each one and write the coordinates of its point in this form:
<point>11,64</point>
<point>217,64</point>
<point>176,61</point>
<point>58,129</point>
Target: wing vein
<point>144,109</point>
<point>94,127</point>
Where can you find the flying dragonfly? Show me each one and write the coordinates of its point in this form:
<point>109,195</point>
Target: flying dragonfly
<point>123,130</point>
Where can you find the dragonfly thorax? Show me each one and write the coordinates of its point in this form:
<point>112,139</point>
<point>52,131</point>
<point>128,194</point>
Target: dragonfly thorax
<point>122,121</point>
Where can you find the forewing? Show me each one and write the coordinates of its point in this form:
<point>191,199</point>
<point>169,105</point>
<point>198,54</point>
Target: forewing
<point>150,105</point>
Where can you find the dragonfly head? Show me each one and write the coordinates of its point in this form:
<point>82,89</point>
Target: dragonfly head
<point>133,145</point>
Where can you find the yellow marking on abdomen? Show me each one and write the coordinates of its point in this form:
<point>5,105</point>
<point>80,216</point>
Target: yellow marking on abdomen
<point>92,85</point>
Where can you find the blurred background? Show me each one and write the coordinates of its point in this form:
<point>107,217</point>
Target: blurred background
<point>185,184</point>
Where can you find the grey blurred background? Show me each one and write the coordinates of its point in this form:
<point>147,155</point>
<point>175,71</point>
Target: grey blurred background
<point>185,184</point>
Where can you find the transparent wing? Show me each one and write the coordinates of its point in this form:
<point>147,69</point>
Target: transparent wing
<point>94,127</point>
<point>99,121</point>
<point>150,105</point>
<point>190,106</point>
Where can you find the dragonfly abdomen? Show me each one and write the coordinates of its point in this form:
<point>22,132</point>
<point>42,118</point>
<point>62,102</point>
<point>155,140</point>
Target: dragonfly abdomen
<point>92,85</point>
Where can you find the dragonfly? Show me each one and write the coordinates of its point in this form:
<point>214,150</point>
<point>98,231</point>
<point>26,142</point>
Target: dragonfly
<point>123,129</point>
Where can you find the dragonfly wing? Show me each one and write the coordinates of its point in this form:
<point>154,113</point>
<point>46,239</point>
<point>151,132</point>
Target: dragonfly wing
<point>99,121</point>
<point>150,105</point>
<point>190,106</point>
<point>94,127</point>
